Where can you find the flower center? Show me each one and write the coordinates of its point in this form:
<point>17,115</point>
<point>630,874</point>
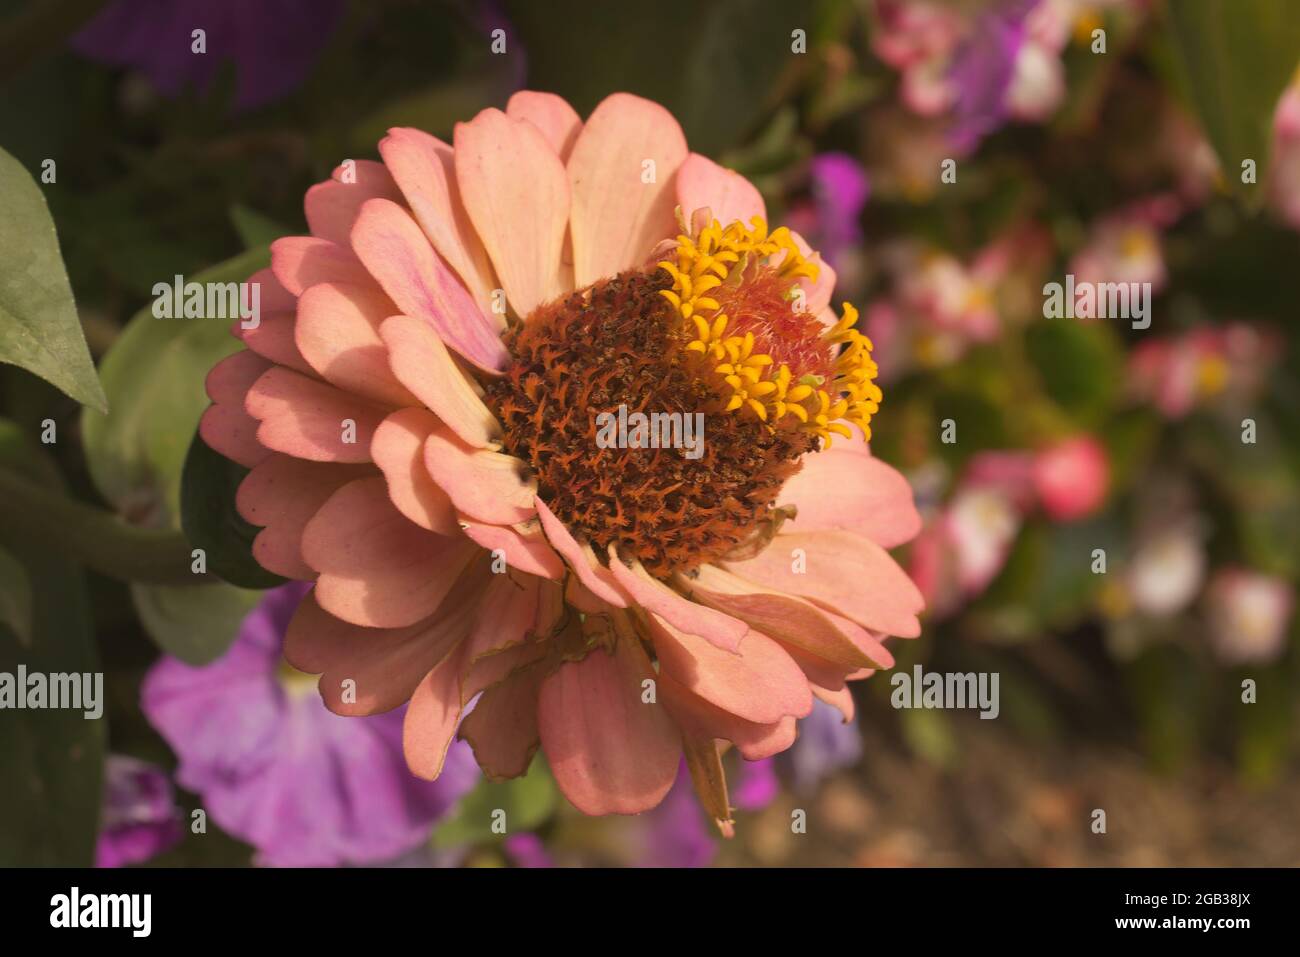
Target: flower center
<point>662,411</point>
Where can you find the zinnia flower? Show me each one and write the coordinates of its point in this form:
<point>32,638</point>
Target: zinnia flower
<point>275,769</point>
<point>419,407</point>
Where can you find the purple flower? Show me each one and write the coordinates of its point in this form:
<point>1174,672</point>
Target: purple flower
<point>278,770</point>
<point>982,69</point>
<point>140,818</point>
<point>273,43</point>
<point>840,189</point>
<point>826,743</point>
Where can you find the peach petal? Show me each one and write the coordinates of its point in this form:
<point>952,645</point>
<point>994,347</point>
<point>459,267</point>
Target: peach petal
<point>338,334</point>
<point>843,488</point>
<point>300,262</point>
<point>425,170</point>
<point>841,699</point>
<point>596,579</point>
<point>488,487</point>
<point>398,450</point>
<point>517,195</point>
<point>551,114</point>
<point>502,729</point>
<point>281,494</point>
<point>716,627</point>
<point>422,363</point>
<point>507,613</point>
<point>272,337</point>
<point>844,573</point>
<point>370,670</point>
<point>786,618</point>
<point>698,717</point>
<point>310,419</point>
<point>397,253</point>
<point>225,426</point>
<point>332,206</point>
<point>817,294</point>
<point>611,753</point>
<point>728,195</point>
<point>618,218</point>
<point>431,720</point>
<point>524,550</point>
<point>759,682</point>
<point>376,567</point>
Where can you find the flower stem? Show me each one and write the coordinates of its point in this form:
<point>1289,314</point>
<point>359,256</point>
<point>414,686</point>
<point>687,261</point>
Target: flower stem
<point>91,536</point>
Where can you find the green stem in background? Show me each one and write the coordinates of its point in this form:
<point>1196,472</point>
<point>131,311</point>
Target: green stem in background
<point>92,536</point>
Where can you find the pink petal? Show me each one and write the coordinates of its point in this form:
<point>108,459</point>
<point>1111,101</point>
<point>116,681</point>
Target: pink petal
<point>698,717</point>
<point>792,621</point>
<point>338,334</point>
<point>332,206</point>
<point>845,573</point>
<point>610,752</point>
<point>225,426</point>
<point>527,552</point>
<point>422,363</point>
<point>424,168</point>
<point>517,195</point>
<point>302,261</point>
<point>594,577</point>
<point>487,486</point>
<point>379,667</point>
<point>398,255</point>
<point>272,337</point>
<point>431,719</point>
<point>376,567</point>
<point>759,682</point>
<point>506,631</point>
<point>841,699</point>
<point>617,219</point>
<point>653,595</point>
<point>728,195</point>
<point>551,114</point>
<point>502,729</point>
<point>398,450</point>
<point>281,494</point>
<point>842,488</point>
<point>309,419</point>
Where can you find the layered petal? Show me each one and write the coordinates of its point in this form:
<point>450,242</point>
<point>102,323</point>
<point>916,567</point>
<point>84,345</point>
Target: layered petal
<point>422,363</point>
<point>846,488</point>
<point>332,207</point>
<point>702,183</point>
<point>337,332</point>
<point>486,486</point>
<point>622,172</point>
<point>840,572</point>
<point>226,425</point>
<point>398,450</point>
<point>551,114</point>
<point>310,419</point>
<point>397,254</point>
<point>517,195</point>
<point>611,753</point>
<point>376,567</point>
<point>300,262</point>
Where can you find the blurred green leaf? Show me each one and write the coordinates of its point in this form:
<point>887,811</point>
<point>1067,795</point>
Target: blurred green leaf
<point>1234,58</point>
<point>195,623</point>
<point>39,327</point>
<point>51,760</point>
<point>208,515</point>
<point>527,802</point>
<point>155,374</point>
<point>1080,364</point>
<point>15,598</point>
<point>256,230</point>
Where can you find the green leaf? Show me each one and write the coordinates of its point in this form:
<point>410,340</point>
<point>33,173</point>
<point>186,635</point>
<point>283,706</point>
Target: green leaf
<point>211,522</point>
<point>255,229</point>
<point>195,623</point>
<point>154,375</point>
<point>51,760</point>
<point>15,598</point>
<point>1234,58</point>
<point>39,327</point>
<point>527,801</point>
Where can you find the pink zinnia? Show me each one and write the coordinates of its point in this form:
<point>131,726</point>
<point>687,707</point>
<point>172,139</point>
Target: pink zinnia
<point>419,407</point>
